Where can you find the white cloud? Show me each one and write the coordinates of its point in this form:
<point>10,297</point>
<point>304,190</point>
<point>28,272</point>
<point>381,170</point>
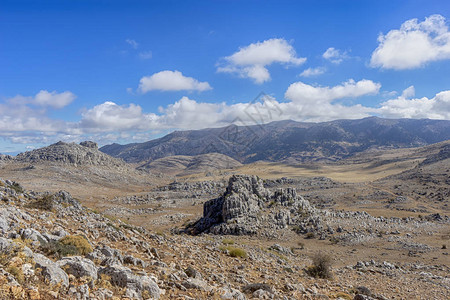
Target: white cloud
<point>437,107</point>
<point>22,118</point>
<point>310,72</point>
<point>171,81</point>
<point>336,56</point>
<point>45,99</point>
<point>145,55</point>
<point>251,61</point>
<point>109,116</point>
<point>300,92</point>
<point>413,45</point>
<point>54,99</point>
<point>409,92</point>
<point>132,43</point>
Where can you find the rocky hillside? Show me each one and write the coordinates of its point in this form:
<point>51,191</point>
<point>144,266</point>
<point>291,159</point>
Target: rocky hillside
<point>51,247</point>
<point>86,153</point>
<point>279,141</point>
<point>182,165</point>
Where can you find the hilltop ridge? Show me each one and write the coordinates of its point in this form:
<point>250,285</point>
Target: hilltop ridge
<point>289,140</point>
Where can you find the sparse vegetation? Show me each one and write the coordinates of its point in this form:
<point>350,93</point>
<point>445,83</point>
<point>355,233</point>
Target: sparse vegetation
<point>321,267</point>
<point>57,249</point>
<point>79,242</point>
<point>227,242</point>
<point>17,273</point>
<point>310,235</point>
<point>234,251</point>
<point>343,295</point>
<point>43,203</point>
<point>67,246</point>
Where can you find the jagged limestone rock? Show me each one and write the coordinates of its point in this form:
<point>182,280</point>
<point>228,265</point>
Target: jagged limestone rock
<point>246,207</point>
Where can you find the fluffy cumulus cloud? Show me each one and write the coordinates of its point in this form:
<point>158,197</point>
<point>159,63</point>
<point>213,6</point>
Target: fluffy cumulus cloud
<point>311,72</point>
<point>336,56</point>
<point>252,61</point>
<point>45,99</point>
<point>406,106</point>
<point>109,116</point>
<point>300,92</point>
<point>54,99</point>
<point>26,118</point>
<point>413,45</point>
<point>171,81</point>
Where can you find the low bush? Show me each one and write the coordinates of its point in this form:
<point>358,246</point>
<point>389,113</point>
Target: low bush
<point>43,203</point>
<point>67,246</point>
<point>321,267</point>
<point>234,251</point>
<point>79,242</point>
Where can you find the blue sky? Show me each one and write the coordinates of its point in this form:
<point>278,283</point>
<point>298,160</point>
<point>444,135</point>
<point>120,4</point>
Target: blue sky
<point>130,71</point>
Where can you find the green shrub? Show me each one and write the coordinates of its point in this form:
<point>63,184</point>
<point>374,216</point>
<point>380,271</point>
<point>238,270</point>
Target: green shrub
<point>321,267</point>
<point>234,251</point>
<point>79,242</point>
<point>237,252</point>
<point>67,246</point>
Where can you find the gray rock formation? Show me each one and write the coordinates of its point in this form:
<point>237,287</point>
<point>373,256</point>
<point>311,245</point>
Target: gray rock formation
<point>123,277</point>
<point>51,270</point>
<point>247,207</point>
<point>79,266</point>
<point>70,153</point>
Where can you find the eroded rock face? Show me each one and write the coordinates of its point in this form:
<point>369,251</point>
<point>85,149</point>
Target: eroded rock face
<point>246,207</point>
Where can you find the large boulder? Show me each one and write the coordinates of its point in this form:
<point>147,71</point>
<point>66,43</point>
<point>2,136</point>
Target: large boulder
<point>123,277</point>
<point>79,267</point>
<point>51,270</point>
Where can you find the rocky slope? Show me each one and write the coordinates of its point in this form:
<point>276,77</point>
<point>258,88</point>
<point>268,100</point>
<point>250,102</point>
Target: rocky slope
<point>278,141</point>
<point>51,247</point>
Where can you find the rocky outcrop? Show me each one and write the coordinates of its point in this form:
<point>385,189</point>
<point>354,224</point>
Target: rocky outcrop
<point>86,153</point>
<point>247,207</point>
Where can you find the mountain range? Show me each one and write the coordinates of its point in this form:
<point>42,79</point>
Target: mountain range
<point>286,141</point>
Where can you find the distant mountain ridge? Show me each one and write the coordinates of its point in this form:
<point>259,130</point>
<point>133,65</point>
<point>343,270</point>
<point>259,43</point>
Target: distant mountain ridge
<point>289,140</point>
